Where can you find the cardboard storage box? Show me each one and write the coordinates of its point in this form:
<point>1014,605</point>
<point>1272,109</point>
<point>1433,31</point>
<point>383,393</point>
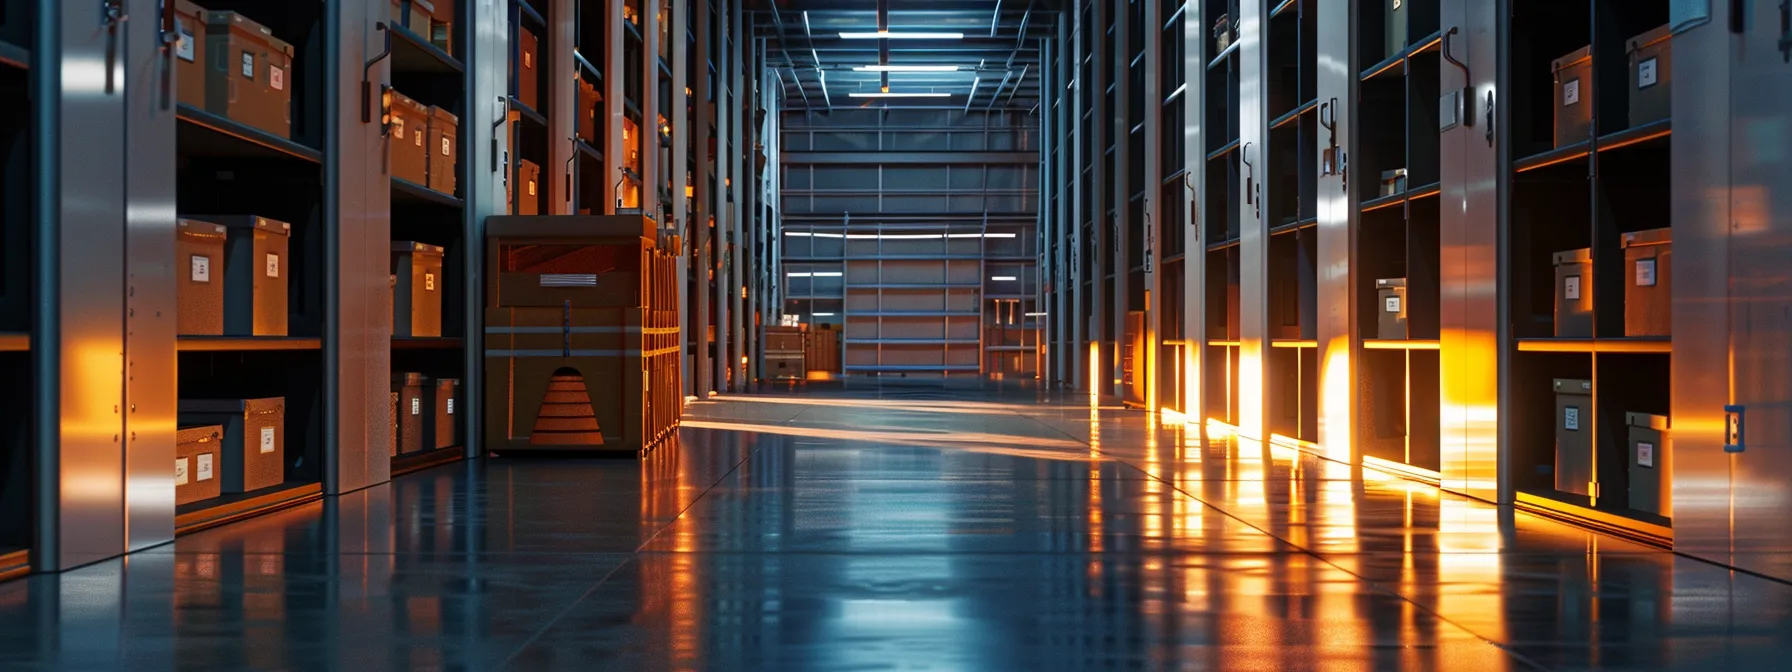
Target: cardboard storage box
<point>417,299</point>
<point>196,463</point>
<point>1393,181</point>
<point>410,388</point>
<point>252,455</point>
<point>1574,293</point>
<point>1651,76</point>
<point>255,274</point>
<point>199,278</point>
<point>443,147</point>
<point>1649,281</point>
<point>528,71</point>
<point>588,102</point>
<point>1396,26</point>
<point>409,143</point>
<point>445,398</point>
<point>1222,32</point>
<point>1390,308</point>
<point>441,26</point>
<point>248,73</point>
<point>189,24</point>
<point>395,417</point>
<point>1574,96</point>
<point>1648,460</point>
<point>528,188</point>
<point>414,15</point>
<point>1574,436</point>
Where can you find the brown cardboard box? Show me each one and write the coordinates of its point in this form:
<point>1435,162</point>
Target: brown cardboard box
<point>417,300</point>
<point>409,143</point>
<point>253,449</point>
<point>248,73</point>
<point>421,12</point>
<point>444,150</point>
<point>1574,96</point>
<point>528,187</point>
<point>446,398</point>
<point>199,272</point>
<point>189,23</point>
<point>1651,76</point>
<point>411,411</point>
<point>588,102</point>
<point>441,26</point>
<point>528,71</point>
<point>196,463</point>
<point>1648,282</point>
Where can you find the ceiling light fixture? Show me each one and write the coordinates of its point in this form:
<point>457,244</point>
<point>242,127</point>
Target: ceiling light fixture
<point>898,94</point>
<point>906,68</point>
<point>887,35</point>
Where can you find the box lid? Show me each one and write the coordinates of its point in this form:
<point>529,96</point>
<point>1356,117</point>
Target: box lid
<point>1659,422</point>
<point>447,382</point>
<point>226,405</point>
<point>1391,282</point>
<point>1580,256</point>
<point>248,222</point>
<point>1650,237</point>
<point>409,379</point>
<point>1389,175</point>
<point>1659,34</point>
<point>1573,385</point>
<point>416,248</point>
<point>196,227</point>
<point>440,114</point>
<point>1573,58</point>
<point>233,21</point>
<point>198,433</point>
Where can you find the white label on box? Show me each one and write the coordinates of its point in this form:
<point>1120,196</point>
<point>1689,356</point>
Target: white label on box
<point>1393,304</point>
<point>1645,272</point>
<point>1397,4</point>
<point>1570,92</point>
<point>398,127</point>
<point>451,405</point>
<point>273,265</point>
<point>1571,418</point>
<point>205,467</point>
<point>1645,454</point>
<point>531,187</point>
<point>447,149</point>
<point>418,139</point>
<point>416,405</point>
<point>267,439</point>
<point>180,471</point>
<point>1571,288</point>
<point>277,78</point>
<point>185,51</point>
<point>1645,74</point>
<point>429,282</point>
<point>248,65</point>
<point>202,268</point>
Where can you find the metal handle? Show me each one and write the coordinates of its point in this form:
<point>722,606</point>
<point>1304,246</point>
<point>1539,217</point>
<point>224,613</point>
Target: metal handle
<point>1489,112</point>
<point>1739,16</point>
<point>170,39</point>
<point>1250,175</point>
<point>1735,437</point>
<point>111,17</point>
<point>1786,30</point>
<point>1466,102</point>
<point>367,84</point>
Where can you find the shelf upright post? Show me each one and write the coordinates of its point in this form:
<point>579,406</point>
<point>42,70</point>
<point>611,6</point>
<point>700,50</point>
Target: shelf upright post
<point>486,161</point>
<point>615,150</point>
<point>1253,241</point>
<point>1337,330</point>
<point>559,102</point>
<point>1100,226</point>
<point>737,186</point>
<point>1468,235</point>
<point>357,242</point>
<point>679,220</point>
<point>703,190</point>
<point>1194,256</point>
<point>1078,323</point>
<point>1120,251</point>
<point>1153,188</point>
<point>651,177</point>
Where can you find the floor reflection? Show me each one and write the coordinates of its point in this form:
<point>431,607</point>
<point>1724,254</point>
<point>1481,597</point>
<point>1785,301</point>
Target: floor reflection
<point>902,529</point>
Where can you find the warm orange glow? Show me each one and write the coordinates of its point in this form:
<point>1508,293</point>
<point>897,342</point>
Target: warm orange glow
<point>1094,374</point>
<point>1250,389</point>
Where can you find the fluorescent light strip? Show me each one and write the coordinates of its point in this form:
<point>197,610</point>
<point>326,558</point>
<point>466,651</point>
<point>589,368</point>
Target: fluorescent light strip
<point>980,235</point>
<point>887,35</point>
<point>906,68</point>
<point>817,274</point>
<point>1003,278</point>
<point>1035,314</point>
<point>898,94</point>
<point>821,314</point>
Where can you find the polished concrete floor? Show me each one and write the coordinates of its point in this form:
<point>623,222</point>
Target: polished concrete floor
<point>901,527</point>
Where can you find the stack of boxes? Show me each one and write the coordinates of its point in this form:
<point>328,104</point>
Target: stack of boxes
<point>423,413</point>
<point>431,20</point>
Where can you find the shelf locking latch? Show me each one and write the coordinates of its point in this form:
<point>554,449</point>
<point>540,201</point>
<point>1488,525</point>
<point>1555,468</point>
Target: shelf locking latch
<point>1458,104</point>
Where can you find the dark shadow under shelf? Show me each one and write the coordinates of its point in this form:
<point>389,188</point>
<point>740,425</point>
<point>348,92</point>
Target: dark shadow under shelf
<point>406,192</point>
<point>412,54</point>
<point>203,134</point>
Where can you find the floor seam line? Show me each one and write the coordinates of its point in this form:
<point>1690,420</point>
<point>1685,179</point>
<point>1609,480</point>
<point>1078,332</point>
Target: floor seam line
<point>632,557</point>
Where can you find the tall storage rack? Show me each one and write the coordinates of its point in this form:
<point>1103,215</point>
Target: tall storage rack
<point>434,214</point>
<point>591,119</point>
<point>531,90</point>
<point>1585,188</point>
<point>1291,205</point>
<point>1394,175</point>
<point>1221,221</point>
<point>1174,204</point>
<point>218,160</point>
<point>18,210</point>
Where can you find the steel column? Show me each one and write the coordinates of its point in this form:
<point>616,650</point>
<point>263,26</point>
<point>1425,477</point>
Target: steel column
<point>485,169</point>
<point>1253,243</point>
<point>1337,207</point>
<point>1194,264</point>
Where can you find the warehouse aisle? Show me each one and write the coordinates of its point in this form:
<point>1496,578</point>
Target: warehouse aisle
<point>900,527</point>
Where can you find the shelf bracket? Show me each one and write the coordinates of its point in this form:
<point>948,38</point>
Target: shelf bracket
<point>1458,104</point>
<point>367,83</point>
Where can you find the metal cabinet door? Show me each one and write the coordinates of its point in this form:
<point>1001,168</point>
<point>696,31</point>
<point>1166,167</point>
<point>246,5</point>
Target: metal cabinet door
<point>1760,311</point>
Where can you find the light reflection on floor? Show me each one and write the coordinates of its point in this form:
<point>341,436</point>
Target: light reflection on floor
<point>902,529</point>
